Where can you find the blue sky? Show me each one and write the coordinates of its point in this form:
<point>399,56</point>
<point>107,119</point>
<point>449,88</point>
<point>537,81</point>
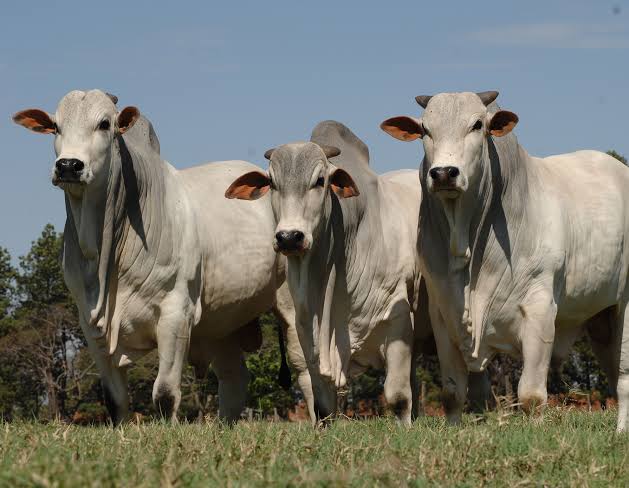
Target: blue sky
<point>229,80</point>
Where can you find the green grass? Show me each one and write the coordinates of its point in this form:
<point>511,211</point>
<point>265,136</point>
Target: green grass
<point>560,448</point>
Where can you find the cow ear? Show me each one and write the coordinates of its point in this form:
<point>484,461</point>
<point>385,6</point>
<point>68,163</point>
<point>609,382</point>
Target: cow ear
<point>249,186</point>
<point>501,123</point>
<point>403,128</point>
<point>127,118</point>
<point>35,120</point>
<point>342,184</point>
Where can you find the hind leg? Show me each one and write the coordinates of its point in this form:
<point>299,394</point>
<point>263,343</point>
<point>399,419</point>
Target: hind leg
<point>604,332</point>
<point>228,362</point>
<point>399,363</point>
<point>620,349</point>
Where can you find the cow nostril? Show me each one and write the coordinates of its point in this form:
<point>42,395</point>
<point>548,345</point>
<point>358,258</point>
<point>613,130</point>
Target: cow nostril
<point>434,173</point>
<point>78,165</point>
<point>297,236</point>
<point>59,165</point>
<point>453,171</point>
<point>279,237</point>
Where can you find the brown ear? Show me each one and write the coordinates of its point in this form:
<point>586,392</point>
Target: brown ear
<point>403,128</point>
<point>342,184</point>
<point>127,118</point>
<point>35,120</point>
<point>249,186</point>
<point>502,122</point>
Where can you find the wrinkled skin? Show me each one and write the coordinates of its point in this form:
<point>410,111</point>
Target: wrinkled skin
<point>149,255</point>
<point>355,290</point>
<point>520,254</point>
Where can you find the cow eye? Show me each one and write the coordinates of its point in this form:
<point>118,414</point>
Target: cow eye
<point>320,181</point>
<point>104,125</point>
<point>271,183</point>
<point>426,131</point>
<point>478,125</point>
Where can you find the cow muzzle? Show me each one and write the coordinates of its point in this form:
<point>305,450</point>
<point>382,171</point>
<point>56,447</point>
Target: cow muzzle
<point>68,171</point>
<point>290,242</point>
<point>446,180</point>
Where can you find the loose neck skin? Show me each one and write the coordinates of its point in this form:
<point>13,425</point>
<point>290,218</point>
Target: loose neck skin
<point>109,227</point>
<point>316,280</point>
<point>479,231</point>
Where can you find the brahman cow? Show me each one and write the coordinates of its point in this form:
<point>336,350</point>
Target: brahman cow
<point>156,257</point>
<point>520,254</point>
<point>350,238</point>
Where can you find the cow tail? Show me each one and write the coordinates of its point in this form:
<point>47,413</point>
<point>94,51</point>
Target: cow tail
<point>284,376</point>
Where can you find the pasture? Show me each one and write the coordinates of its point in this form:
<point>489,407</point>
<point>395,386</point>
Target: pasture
<point>563,447</point>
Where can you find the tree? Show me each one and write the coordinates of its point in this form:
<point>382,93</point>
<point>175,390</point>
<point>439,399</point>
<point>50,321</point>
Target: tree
<point>7,290</point>
<point>619,157</point>
<point>46,336</point>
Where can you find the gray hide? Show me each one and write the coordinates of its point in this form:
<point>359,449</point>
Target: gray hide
<point>530,254</point>
<point>356,290</point>
<point>157,257</point>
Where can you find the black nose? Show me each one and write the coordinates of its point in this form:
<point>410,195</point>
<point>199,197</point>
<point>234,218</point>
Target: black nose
<point>442,174</point>
<point>69,167</point>
<point>452,171</point>
<point>289,240</point>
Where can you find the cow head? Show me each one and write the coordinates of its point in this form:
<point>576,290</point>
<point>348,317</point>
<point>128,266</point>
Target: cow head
<point>453,128</point>
<point>300,179</point>
<point>84,127</point>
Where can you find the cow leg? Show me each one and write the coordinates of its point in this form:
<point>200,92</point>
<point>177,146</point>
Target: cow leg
<point>416,410</point>
<point>399,360</point>
<point>297,359</point>
<point>478,391</point>
<point>228,362</point>
<point>114,383</point>
<point>173,339</point>
<point>621,350</point>
<point>605,330</point>
<point>538,334</point>
<point>454,375</point>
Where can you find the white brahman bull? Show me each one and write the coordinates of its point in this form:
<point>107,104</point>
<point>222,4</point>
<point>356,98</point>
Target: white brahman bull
<point>520,254</point>
<point>156,257</point>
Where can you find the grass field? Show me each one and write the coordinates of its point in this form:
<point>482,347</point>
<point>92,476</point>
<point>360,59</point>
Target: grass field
<point>560,448</point>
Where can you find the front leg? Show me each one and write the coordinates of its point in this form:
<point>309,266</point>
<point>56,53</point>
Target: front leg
<point>399,364</point>
<point>454,374</point>
<point>538,333</point>
<point>173,339</point>
<point>114,383</point>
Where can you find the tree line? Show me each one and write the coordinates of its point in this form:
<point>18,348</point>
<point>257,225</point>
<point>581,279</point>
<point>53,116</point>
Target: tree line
<point>46,371</point>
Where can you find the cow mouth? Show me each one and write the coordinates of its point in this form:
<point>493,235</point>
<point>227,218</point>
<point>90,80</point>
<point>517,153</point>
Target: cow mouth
<point>67,180</point>
<point>446,190</point>
<point>293,252</point>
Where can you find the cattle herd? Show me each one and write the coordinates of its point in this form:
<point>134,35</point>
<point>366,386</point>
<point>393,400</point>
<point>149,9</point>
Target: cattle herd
<point>487,249</point>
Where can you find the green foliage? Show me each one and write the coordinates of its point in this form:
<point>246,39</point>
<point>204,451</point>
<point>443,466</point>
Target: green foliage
<point>558,448</point>
<point>7,292</point>
<point>619,157</point>
<point>265,394</point>
<point>40,281</point>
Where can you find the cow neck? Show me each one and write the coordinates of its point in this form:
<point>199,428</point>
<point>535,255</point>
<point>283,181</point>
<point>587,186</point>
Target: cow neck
<point>497,231</point>
<point>316,281</point>
<point>486,209</point>
<point>121,221</point>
